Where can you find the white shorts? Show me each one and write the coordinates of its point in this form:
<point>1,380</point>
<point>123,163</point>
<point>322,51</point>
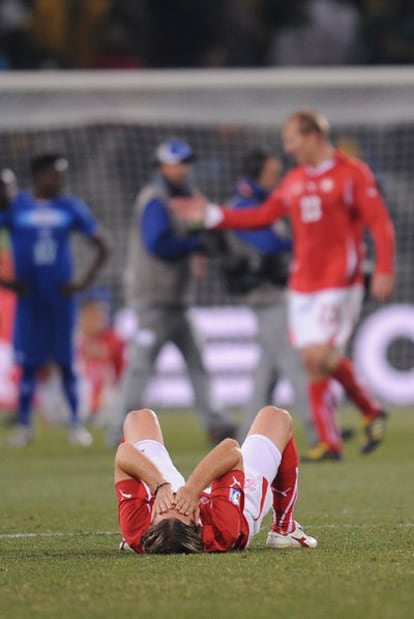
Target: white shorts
<point>261,460</point>
<point>158,454</point>
<point>326,316</point>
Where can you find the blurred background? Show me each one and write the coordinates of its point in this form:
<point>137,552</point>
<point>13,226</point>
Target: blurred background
<point>100,34</point>
<point>104,81</point>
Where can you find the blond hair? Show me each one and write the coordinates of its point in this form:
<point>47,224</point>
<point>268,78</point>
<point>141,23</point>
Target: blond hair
<point>310,121</point>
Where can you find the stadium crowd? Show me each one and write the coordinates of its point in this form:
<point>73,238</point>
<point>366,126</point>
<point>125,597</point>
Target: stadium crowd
<point>120,34</point>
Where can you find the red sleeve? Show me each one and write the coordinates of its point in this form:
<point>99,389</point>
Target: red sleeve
<point>221,513</point>
<point>257,217</point>
<point>134,511</point>
<point>373,211</point>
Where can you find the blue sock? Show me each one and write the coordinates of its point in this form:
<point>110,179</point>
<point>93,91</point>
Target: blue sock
<point>27,386</point>
<point>70,388</point>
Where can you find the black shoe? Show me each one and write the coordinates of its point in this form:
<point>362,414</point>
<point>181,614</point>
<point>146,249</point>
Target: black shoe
<point>347,434</point>
<point>216,435</point>
<point>374,430</point>
<point>319,453</point>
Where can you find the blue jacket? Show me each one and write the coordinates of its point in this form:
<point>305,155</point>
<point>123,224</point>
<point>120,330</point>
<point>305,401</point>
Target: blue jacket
<point>158,234</point>
<point>265,240</point>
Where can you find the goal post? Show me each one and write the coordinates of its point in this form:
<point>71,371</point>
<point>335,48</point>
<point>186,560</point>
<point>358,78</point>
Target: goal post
<point>108,124</point>
<point>262,97</point>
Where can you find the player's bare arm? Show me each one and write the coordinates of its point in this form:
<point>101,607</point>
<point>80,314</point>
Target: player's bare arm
<point>225,457</point>
<point>15,285</point>
<point>102,249</point>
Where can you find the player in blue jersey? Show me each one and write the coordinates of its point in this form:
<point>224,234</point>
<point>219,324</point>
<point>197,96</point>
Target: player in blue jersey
<point>40,222</point>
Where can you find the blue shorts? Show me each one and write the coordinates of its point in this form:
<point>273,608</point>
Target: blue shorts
<point>44,331</point>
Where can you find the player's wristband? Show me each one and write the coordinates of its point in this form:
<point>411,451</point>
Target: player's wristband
<point>213,215</point>
<point>164,483</point>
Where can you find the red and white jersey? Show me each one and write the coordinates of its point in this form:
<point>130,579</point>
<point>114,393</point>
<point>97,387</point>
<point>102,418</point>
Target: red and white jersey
<point>224,526</point>
<point>329,207</point>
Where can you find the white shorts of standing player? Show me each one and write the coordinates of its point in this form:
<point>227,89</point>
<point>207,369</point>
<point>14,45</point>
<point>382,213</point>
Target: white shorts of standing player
<point>325,316</point>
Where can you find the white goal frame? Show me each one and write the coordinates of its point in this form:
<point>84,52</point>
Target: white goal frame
<point>255,96</point>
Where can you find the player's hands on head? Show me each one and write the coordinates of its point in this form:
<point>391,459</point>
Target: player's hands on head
<point>163,502</point>
<point>186,503</point>
<point>382,286</point>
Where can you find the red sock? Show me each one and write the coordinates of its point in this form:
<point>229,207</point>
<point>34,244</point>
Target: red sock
<point>323,411</point>
<point>285,489</point>
<point>345,374</point>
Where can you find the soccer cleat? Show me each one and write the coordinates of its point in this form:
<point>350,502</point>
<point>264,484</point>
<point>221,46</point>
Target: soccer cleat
<point>296,539</point>
<point>125,546</point>
<point>347,434</point>
<point>21,437</point>
<point>320,453</point>
<point>374,430</point>
<point>80,437</point>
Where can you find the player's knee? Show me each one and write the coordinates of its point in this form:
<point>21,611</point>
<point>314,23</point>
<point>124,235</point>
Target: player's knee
<point>285,419</point>
<point>138,416</point>
<point>279,416</point>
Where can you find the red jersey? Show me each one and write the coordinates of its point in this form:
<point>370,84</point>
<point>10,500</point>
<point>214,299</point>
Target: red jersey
<point>101,361</point>
<point>329,207</point>
<point>224,526</point>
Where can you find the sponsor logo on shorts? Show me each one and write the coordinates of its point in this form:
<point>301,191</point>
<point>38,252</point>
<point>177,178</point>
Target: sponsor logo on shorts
<point>250,484</point>
<point>235,483</point>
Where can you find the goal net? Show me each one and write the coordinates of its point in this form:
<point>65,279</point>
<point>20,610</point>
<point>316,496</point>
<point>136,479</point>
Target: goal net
<point>109,123</point>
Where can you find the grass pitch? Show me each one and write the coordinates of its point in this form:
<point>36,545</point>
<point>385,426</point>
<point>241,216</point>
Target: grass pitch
<point>59,539</point>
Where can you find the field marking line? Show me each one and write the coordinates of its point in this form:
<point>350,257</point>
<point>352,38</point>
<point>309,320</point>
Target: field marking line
<point>359,526</point>
<point>113,533</point>
<point>58,534</point>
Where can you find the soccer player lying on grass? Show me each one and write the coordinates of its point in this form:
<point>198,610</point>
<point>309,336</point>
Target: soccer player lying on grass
<point>222,504</point>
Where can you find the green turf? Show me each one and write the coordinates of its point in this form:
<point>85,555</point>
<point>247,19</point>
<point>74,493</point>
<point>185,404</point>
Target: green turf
<point>361,510</point>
